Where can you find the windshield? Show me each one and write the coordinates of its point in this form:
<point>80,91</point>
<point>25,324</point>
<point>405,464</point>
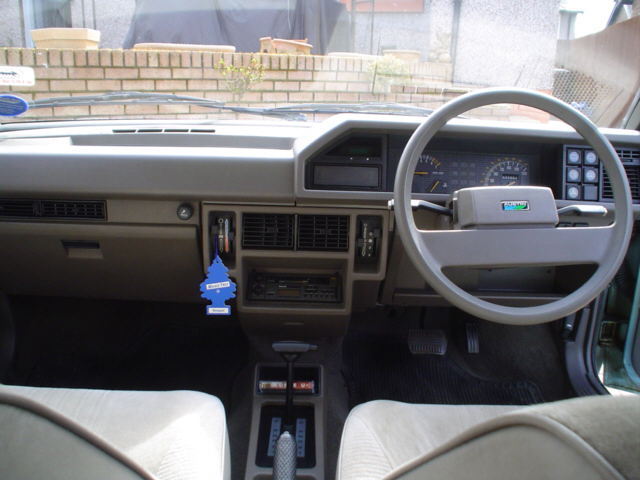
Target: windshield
<point>306,60</point>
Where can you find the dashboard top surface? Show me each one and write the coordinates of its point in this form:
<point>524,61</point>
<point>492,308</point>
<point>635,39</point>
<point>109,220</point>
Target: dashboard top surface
<point>237,161</point>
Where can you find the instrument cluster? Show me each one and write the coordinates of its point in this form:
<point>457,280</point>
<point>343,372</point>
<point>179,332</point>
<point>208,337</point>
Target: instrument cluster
<point>445,172</point>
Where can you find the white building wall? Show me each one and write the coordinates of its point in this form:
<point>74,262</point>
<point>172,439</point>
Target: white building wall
<point>404,31</point>
<point>12,32</point>
<point>500,42</point>
<point>112,18</point>
<point>507,43</point>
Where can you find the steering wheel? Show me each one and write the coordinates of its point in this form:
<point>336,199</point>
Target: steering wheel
<point>512,245</point>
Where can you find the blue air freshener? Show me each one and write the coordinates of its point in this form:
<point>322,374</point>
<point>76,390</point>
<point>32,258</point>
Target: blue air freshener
<point>218,288</point>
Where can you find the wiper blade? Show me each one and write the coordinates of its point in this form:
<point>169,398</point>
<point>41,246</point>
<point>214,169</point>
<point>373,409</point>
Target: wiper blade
<point>369,107</point>
<point>123,98</point>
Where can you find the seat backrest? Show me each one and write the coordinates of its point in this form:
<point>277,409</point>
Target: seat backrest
<point>38,443</point>
<point>585,438</point>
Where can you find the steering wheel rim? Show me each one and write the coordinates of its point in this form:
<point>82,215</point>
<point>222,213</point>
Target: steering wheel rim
<point>429,267</point>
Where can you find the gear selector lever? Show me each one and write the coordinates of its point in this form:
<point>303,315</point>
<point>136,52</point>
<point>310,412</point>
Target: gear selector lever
<point>290,352</point>
<point>285,454</point>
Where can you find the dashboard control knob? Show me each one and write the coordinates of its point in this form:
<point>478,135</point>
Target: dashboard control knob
<point>185,211</point>
<point>590,175</point>
<point>574,157</point>
<point>573,174</point>
<point>590,158</point>
<point>573,192</point>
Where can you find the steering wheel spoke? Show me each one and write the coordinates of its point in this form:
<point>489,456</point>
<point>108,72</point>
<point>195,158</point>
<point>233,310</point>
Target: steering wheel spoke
<point>515,247</point>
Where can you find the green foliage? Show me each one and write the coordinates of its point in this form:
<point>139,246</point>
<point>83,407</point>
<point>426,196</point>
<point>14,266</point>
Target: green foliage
<point>240,79</point>
<point>387,71</point>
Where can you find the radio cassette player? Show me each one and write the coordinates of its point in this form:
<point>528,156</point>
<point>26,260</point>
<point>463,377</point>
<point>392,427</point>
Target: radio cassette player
<point>271,287</point>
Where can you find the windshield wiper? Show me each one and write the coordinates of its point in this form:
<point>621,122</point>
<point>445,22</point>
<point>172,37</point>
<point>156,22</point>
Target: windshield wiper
<point>123,98</point>
<point>369,107</point>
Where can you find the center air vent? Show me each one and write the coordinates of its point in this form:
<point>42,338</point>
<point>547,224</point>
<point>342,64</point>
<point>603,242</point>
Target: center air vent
<point>323,232</point>
<point>265,230</point>
<point>52,209</point>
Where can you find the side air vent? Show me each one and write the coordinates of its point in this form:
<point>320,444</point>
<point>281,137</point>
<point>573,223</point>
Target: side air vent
<point>631,158</point>
<point>70,209</point>
<point>17,208</point>
<point>323,232</point>
<point>633,174</point>
<point>265,230</point>
<point>628,154</point>
<point>52,209</point>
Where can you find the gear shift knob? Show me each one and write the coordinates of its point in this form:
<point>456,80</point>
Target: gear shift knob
<point>285,459</point>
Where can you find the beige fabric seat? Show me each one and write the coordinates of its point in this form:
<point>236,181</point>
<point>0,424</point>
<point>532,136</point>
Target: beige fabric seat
<point>586,438</point>
<point>72,433</point>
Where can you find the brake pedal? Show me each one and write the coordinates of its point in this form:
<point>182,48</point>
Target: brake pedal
<point>427,342</point>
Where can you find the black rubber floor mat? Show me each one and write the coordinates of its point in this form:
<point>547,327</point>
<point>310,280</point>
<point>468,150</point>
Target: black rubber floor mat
<point>381,367</point>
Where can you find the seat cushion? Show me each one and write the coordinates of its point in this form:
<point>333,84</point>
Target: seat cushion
<point>172,435</point>
<point>380,436</point>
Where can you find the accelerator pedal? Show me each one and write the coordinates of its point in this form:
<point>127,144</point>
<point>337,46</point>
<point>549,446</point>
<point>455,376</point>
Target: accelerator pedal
<point>473,337</point>
<point>427,342</point>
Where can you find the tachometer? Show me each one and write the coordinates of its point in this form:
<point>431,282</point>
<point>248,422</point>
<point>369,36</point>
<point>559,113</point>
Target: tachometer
<point>507,171</point>
<point>430,176</point>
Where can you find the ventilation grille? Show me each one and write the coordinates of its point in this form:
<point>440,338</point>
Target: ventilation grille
<point>627,155</point>
<point>54,209</point>
<point>271,231</point>
<point>633,174</point>
<point>164,130</point>
<point>323,232</point>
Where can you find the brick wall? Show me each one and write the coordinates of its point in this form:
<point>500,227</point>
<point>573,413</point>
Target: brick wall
<point>287,79</point>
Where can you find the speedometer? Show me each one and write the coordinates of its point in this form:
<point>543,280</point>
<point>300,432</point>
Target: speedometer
<point>507,171</point>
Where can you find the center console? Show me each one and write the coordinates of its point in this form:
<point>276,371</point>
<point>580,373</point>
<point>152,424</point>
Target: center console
<point>299,271</point>
<point>269,417</point>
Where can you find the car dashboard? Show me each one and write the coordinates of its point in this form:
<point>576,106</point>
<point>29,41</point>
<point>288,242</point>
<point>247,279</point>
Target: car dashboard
<point>298,212</point>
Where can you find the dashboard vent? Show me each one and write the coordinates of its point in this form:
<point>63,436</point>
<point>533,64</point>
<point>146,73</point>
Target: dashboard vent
<point>17,208</point>
<point>633,174</point>
<point>627,155</point>
<point>54,209</point>
<point>266,230</point>
<point>323,232</point>
<point>70,209</point>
